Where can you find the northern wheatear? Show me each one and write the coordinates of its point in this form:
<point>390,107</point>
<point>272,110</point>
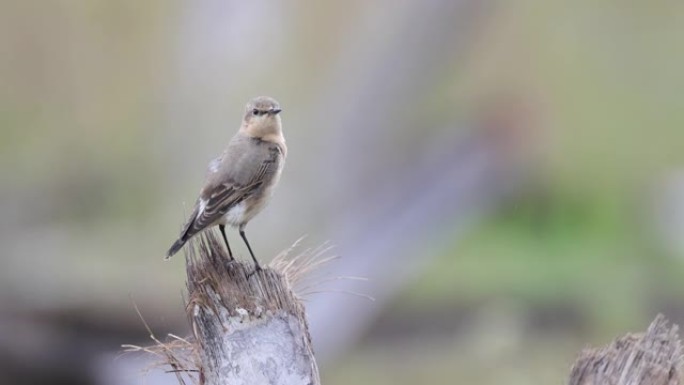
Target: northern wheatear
<point>240,181</point>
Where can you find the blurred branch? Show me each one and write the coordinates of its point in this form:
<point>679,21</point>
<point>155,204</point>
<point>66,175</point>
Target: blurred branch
<point>396,196</point>
<point>651,358</point>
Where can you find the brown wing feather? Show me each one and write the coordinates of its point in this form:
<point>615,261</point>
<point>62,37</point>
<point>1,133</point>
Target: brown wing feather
<point>222,199</point>
<point>219,201</point>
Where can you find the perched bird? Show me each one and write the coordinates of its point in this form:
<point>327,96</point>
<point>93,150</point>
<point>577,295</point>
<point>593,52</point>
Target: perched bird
<point>240,182</point>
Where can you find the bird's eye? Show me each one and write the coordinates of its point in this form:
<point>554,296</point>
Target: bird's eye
<point>256,112</point>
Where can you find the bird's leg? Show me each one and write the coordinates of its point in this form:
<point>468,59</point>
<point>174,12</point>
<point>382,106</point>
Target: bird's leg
<point>244,238</point>
<point>223,232</point>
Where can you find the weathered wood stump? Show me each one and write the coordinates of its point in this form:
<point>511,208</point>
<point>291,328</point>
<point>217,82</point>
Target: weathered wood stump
<point>651,358</point>
<point>249,326</point>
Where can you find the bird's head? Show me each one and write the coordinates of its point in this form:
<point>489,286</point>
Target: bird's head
<point>262,118</point>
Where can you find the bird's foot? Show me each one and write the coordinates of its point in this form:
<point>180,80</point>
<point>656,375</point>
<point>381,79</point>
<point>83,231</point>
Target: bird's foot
<point>257,269</point>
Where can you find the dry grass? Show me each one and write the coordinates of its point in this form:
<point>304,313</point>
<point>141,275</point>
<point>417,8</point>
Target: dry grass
<point>176,355</point>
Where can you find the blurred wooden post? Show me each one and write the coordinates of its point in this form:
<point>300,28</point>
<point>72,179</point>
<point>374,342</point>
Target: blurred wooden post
<point>249,327</point>
<point>651,358</point>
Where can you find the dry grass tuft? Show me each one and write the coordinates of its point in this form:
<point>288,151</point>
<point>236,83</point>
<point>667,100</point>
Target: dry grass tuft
<point>176,355</point>
<point>300,270</point>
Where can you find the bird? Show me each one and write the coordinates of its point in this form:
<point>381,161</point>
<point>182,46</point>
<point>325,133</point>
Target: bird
<point>240,182</point>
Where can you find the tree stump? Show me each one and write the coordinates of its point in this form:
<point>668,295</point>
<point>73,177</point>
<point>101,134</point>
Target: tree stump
<point>249,326</point>
<point>651,358</point>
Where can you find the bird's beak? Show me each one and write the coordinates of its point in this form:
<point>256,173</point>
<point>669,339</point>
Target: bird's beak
<point>275,111</point>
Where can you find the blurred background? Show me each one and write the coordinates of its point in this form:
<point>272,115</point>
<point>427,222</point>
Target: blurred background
<point>509,176</point>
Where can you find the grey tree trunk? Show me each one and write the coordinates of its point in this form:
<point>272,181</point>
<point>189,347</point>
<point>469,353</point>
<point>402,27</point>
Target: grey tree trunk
<point>249,326</point>
<point>651,358</point>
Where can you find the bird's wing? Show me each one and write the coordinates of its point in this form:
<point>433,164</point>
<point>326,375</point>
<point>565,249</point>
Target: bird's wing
<point>229,185</point>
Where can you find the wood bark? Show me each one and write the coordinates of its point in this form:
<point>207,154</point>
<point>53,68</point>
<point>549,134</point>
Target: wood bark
<point>248,325</point>
<point>651,358</point>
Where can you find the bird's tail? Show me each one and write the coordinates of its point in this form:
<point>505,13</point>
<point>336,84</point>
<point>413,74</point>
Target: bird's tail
<point>174,249</point>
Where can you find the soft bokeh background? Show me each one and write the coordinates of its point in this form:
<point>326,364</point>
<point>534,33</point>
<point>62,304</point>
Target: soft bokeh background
<point>509,176</point>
